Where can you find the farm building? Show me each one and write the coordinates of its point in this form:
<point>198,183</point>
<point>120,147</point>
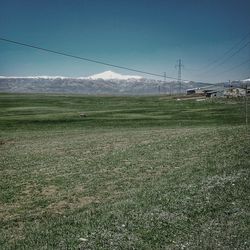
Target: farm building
<point>209,91</point>
<point>237,88</point>
<point>195,91</point>
<point>214,92</point>
<point>234,92</point>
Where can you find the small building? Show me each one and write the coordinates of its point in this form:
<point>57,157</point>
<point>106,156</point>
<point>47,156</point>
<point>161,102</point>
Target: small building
<point>193,91</point>
<point>234,92</point>
<point>208,91</point>
<point>214,92</point>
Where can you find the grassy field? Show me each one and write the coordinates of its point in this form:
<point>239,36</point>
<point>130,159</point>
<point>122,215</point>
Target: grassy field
<point>135,173</point>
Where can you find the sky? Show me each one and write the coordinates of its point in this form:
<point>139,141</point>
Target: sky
<point>148,35</point>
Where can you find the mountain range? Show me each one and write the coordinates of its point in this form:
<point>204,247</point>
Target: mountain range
<point>107,82</point>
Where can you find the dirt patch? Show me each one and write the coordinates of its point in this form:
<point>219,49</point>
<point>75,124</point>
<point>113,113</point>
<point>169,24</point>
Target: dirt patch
<point>49,191</point>
<point>61,206</point>
<point>30,189</point>
<point>79,189</point>
<point>7,211</point>
<point>3,142</point>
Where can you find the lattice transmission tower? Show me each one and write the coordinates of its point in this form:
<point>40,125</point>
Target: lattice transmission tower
<point>179,66</point>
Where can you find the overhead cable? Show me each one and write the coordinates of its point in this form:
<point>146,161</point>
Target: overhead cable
<point>84,58</point>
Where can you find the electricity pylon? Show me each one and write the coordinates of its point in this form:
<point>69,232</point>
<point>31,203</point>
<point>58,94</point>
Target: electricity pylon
<point>180,66</point>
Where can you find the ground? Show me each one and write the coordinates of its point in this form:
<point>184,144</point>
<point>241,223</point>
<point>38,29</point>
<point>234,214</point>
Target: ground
<point>135,173</point>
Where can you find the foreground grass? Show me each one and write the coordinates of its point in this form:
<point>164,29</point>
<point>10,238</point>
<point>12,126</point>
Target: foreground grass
<point>59,112</point>
<point>140,185</point>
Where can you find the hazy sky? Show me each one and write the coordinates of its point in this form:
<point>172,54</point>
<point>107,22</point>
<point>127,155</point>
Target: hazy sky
<point>149,35</point>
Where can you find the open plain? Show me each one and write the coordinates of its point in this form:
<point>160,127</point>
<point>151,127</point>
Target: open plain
<point>131,173</point>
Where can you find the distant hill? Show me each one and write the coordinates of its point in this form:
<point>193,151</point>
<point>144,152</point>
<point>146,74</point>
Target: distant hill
<point>107,82</point>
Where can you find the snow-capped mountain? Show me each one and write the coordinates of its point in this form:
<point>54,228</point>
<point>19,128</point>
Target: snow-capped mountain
<point>107,82</point>
<point>110,75</point>
<point>106,75</point>
<point>246,80</point>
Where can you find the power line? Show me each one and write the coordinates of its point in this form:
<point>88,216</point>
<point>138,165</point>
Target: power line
<point>93,61</point>
<point>228,51</point>
<point>236,52</point>
<point>85,59</point>
<point>234,67</point>
<point>226,59</point>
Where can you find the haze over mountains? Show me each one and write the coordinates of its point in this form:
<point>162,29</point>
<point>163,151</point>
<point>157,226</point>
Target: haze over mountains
<point>107,82</point>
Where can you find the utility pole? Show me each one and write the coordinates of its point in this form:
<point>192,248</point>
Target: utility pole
<point>246,105</point>
<point>179,65</point>
<point>165,79</point>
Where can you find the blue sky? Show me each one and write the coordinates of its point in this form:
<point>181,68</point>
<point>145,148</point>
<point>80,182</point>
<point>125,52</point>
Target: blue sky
<point>149,35</point>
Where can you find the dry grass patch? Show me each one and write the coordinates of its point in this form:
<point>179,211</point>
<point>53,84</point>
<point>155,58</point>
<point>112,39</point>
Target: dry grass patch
<point>60,207</point>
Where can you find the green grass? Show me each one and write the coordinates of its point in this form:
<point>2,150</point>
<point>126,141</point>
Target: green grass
<point>136,173</point>
<point>42,112</point>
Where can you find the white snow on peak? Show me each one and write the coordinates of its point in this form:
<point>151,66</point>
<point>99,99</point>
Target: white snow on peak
<point>246,80</point>
<point>110,75</point>
<point>107,75</point>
